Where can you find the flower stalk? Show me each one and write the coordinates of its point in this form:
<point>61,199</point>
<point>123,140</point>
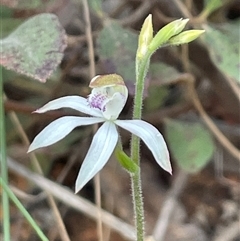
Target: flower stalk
<point>142,64</point>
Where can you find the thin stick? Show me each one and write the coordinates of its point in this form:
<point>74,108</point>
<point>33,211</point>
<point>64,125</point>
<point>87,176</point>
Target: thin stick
<point>234,86</point>
<point>92,71</point>
<point>210,124</point>
<point>185,57</point>
<point>183,9</point>
<point>139,13</point>
<point>189,80</point>
<point>88,29</point>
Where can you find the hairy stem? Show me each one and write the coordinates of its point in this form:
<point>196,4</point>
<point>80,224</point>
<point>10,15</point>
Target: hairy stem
<point>141,71</point>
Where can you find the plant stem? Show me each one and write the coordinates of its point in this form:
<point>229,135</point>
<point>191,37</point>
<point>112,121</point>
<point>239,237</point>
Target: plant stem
<point>23,211</point>
<point>4,169</point>
<point>138,205</point>
<point>141,71</point>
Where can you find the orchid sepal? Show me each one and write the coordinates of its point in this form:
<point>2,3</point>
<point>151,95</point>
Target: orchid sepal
<point>60,128</point>
<point>102,146</point>
<point>152,138</point>
<point>74,102</point>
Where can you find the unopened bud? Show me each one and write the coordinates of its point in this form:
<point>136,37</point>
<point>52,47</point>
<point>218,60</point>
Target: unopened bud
<point>145,36</point>
<point>165,33</point>
<point>185,37</point>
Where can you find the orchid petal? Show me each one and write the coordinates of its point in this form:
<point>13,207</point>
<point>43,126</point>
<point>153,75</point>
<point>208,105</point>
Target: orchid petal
<point>102,146</point>
<point>74,102</point>
<point>151,137</point>
<point>59,128</point>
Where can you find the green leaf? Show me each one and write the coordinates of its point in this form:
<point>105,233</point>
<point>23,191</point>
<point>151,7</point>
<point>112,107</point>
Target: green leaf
<point>35,48</point>
<point>190,143</point>
<point>117,49</point>
<point>223,45</point>
<point>126,162</point>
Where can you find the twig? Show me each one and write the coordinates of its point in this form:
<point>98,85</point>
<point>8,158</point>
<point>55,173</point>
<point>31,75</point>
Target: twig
<point>27,197</point>
<point>214,129</point>
<point>88,30</point>
<point>138,13</point>
<point>189,79</point>
<point>161,16</point>
<point>92,71</point>
<point>70,199</point>
<point>118,9</point>
<point>169,206</point>
<point>185,57</point>
<point>183,9</point>
<point>235,88</point>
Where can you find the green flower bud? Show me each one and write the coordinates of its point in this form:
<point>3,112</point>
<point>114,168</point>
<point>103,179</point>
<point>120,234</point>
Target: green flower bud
<point>185,37</point>
<point>165,33</point>
<point>145,36</point>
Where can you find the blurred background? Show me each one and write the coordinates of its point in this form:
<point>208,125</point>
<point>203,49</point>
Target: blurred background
<point>191,95</point>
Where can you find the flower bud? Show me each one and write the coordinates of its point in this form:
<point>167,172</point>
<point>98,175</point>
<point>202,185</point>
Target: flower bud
<point>165,33</point>
<point>185,37</point>
<point>145,36</point>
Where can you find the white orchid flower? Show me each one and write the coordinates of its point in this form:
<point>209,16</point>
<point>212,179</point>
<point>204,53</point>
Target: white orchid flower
<point>104,104</point>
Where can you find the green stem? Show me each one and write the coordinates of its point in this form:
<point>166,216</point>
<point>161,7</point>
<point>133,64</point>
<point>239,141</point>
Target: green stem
<point>141,71</point>
<point>138,205</point>
<point>23,211</point>
<point>4,169</point>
